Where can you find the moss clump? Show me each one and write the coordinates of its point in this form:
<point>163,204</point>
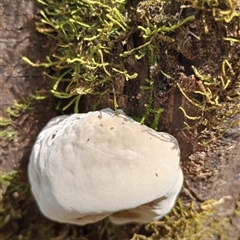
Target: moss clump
<point>192,222</point>
<point>6,130</point>
<point>7,126</point>
<point>218,105</point>
<point>208,49</point>
<point>12,188</point>
<point>137,53</point>
<point>97,45</point>
<point>93,46</point>
<point>17,220</point>
<point>85,55</point>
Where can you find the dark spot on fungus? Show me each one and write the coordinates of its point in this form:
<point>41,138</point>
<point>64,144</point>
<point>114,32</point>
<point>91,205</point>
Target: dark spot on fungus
<point>111,128</point>
<point>88,139</point>
<point>150,204</point>
<point>125,119</point>
<point>101,125</point>
<point>122,122</point>
<point>156,174</point>
<point>53,136</point>
<point>100,116</point>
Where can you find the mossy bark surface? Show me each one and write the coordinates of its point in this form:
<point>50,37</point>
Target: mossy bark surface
<point>162,57</point>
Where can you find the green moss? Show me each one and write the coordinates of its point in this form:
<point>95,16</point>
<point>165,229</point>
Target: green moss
<point>16,209</point>
<point>93,46</point>
<point>193,222</point>
<point>85,33</point>
<point>8,129</point>
<point>215,98</point>
<point>12,187</point>
<point>220,97</point>
<point>89,40</point>
<point>18,107</point>
<point>150,112</point>
<point>5,122</point>
<point>221,10</point>
<point>8,134</point>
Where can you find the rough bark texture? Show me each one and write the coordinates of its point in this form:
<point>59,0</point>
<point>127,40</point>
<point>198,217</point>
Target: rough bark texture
<point>18,80</point>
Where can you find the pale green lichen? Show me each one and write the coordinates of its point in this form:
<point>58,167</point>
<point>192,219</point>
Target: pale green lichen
<point>220,96</point>
<point>216,96</point>
<point>189,223</point>
<point>7,126</point>
<point>5,132</point>
<point>221,10</point>
<point>6,129</point>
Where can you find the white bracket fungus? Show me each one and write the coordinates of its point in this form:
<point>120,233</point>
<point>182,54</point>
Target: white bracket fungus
<point>85,167</point>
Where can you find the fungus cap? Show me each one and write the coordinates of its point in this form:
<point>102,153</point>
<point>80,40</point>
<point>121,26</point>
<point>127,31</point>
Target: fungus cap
<point>85,167</point>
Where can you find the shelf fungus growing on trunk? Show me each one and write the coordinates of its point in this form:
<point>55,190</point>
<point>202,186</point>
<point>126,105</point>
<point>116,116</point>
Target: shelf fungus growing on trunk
<point>85,167</point>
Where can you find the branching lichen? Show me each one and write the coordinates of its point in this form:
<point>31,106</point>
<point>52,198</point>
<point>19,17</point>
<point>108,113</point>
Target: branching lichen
<point>187,223</point>
<point>221,10</point>
<point>7,126</point>
<point>220,97</point>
